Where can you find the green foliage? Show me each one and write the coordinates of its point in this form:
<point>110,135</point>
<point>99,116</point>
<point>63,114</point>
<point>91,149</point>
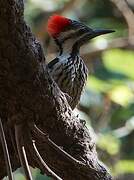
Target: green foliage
<point>121,61</point>
<point>115,76</point>
<point>121,115</point>
<point>124,166</point>
<point>109,143</point>
<point>19,175</point>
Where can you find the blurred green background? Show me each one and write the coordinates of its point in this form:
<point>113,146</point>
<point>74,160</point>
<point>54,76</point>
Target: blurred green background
<point>107,104</point>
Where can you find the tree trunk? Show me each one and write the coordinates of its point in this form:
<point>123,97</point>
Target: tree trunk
<point>28,95</point>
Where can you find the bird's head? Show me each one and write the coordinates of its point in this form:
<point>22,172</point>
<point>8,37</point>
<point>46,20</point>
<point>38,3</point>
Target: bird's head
<point>70,33</point>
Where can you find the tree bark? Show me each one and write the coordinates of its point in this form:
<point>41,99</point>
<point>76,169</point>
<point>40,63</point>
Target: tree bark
<point>29,95</point>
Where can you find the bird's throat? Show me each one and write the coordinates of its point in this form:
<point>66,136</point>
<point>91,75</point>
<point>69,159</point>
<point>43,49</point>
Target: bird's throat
<point>67,47</point>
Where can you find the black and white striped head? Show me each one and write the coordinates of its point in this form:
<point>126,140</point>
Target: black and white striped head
<point>70,34</point>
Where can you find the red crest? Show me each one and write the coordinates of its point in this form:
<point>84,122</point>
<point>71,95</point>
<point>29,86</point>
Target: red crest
<point>56,24</point>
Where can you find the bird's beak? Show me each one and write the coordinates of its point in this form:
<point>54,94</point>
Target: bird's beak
<point>99,32</point>
<point>94,33</point>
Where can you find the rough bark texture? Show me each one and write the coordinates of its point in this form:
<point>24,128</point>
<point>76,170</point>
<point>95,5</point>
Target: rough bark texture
<point>27,94</point>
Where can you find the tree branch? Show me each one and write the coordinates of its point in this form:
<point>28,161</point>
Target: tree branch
<point>128,15</point>
<point>29,95</point>
<point>22,153</point>
<point>6,153</point>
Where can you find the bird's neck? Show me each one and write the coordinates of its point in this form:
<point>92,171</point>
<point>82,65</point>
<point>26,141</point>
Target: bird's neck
<point>67,47</point>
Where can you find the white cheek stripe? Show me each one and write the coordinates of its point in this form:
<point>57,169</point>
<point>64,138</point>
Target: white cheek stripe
<point>66,33</point>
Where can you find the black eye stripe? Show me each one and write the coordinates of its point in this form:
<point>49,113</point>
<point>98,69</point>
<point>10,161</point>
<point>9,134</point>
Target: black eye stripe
<point>73,34</point>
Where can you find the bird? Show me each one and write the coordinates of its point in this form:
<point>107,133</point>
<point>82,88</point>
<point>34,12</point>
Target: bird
<point>68,69</point>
